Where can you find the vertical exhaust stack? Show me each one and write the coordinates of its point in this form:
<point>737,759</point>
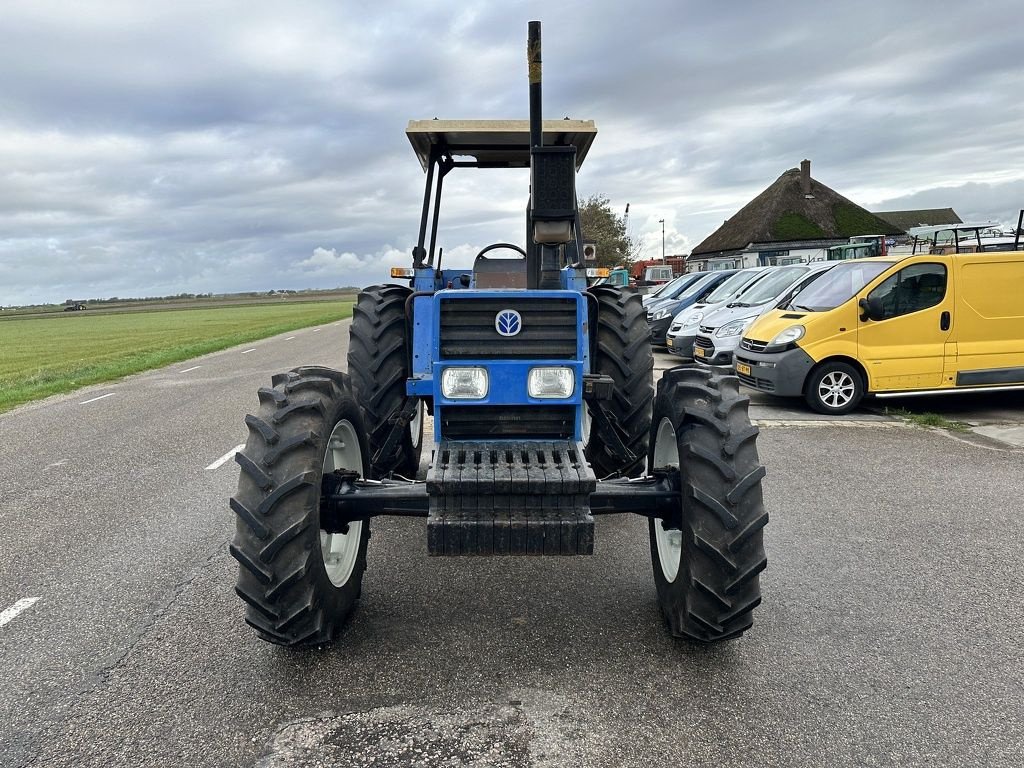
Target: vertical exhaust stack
<point>533,60</point>
<point>552,214</point>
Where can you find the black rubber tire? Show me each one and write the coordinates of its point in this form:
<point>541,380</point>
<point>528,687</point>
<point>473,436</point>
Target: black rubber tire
<point>722,520</point>
<point>378,362</point>
<point>813,397</point>
<point>282,577</point>
<point>622,349</point>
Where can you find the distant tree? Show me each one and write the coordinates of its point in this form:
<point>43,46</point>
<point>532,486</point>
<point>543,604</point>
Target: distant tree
<point>607,230</point>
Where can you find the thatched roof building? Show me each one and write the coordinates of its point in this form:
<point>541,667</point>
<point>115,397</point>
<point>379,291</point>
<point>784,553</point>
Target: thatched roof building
<point>795,211</point>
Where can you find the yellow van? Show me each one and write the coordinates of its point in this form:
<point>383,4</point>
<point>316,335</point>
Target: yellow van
<point>929,323</point>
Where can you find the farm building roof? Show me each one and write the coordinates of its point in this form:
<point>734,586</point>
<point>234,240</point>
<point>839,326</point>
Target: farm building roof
<point>794,208</point>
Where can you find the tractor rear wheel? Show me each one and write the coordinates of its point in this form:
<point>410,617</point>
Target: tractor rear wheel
<point>298,581</point>
<point>622,350</point>
<point>378,362</point>
<point>707,561</point>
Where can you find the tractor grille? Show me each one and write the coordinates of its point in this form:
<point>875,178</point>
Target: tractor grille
<point>461,422</point>
<point>548,329</point>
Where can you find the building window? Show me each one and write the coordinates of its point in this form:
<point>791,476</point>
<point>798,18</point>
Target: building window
<point>771,258</point>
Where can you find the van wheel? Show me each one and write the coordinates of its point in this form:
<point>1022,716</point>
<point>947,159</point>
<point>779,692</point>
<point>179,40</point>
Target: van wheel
<point>834,388</point>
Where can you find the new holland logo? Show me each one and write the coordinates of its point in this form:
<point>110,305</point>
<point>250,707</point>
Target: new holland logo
<point>508,322</point>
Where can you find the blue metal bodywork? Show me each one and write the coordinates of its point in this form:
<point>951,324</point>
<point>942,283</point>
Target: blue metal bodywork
<point>507,377</point>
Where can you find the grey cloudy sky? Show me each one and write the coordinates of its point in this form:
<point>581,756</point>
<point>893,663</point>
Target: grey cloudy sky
<point>216,146</point>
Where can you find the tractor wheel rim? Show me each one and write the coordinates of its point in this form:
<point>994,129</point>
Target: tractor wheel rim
<point>836,389</point>
<point>586,426</point>
<point>416,425</point>
<point>669,543</point>
<point>340,550</point>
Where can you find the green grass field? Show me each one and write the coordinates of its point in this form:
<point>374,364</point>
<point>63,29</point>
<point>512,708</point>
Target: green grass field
<point>46,356</point>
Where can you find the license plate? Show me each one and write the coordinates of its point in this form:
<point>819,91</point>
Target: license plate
<point>743,368</point>
<point>698,352</point>
<point>668,342</point>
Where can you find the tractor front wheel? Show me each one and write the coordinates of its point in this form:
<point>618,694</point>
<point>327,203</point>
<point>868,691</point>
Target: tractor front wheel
<point>299,582</point>
<point>707,560</point>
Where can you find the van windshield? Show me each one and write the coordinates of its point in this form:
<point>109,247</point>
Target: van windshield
<point>837,286</point>
<point>773,286</point>
<point>731,286</point>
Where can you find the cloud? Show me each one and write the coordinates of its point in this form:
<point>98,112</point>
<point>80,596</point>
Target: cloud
<point>191,148</point>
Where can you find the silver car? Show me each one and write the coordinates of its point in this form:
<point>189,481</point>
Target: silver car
<point>683,330</point>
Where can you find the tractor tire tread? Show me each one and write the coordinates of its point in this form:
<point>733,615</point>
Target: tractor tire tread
<point>716,587</point>
<point>379,364</point>
<point>622,350</point>
<point>288,597</point>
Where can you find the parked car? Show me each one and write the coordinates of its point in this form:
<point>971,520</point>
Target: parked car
<point>931,323</point>
<point>670,290</point>
<point>660,314</point>
<point>720,331</point>
<point>683,329</point>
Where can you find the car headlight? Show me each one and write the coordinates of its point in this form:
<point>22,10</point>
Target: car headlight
<point>661,314</point>
<point>693,320</point>
<point>735,328</point>
<point>788,336</point>
<point>551,383</point>
<point>464,383</point>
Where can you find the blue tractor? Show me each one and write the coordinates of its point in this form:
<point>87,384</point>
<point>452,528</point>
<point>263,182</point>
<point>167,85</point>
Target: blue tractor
<point>544,416</point>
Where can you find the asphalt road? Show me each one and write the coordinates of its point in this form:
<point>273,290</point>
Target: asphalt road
<point>888,633</point>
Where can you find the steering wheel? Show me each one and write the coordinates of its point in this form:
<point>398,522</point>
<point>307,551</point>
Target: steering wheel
<point>496,246</point>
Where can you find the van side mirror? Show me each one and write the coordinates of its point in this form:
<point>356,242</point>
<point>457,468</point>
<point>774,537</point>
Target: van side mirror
<point>871,309</point>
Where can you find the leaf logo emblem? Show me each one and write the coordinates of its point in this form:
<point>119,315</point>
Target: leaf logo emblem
<point>508,322</point>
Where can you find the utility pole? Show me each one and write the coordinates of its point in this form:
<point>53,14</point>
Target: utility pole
<point>625,228</point>
<point>662,222</point>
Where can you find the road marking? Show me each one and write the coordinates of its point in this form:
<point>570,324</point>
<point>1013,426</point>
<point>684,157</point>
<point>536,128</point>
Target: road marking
<point>93,400</point>
<point>12,613</point>
<point>289,338</point>
<point>846,423</point>
<point>316,330</point>
<point>60,463</point>
<point>249,350</point>
<point>194,367</point>
<point>226,457</point>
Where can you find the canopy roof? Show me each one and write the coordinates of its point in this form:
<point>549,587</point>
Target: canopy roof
<point>496,143</point>
<point>922,232</point>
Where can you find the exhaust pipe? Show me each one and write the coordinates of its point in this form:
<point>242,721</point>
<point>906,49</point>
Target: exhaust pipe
<point>534,61</point>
